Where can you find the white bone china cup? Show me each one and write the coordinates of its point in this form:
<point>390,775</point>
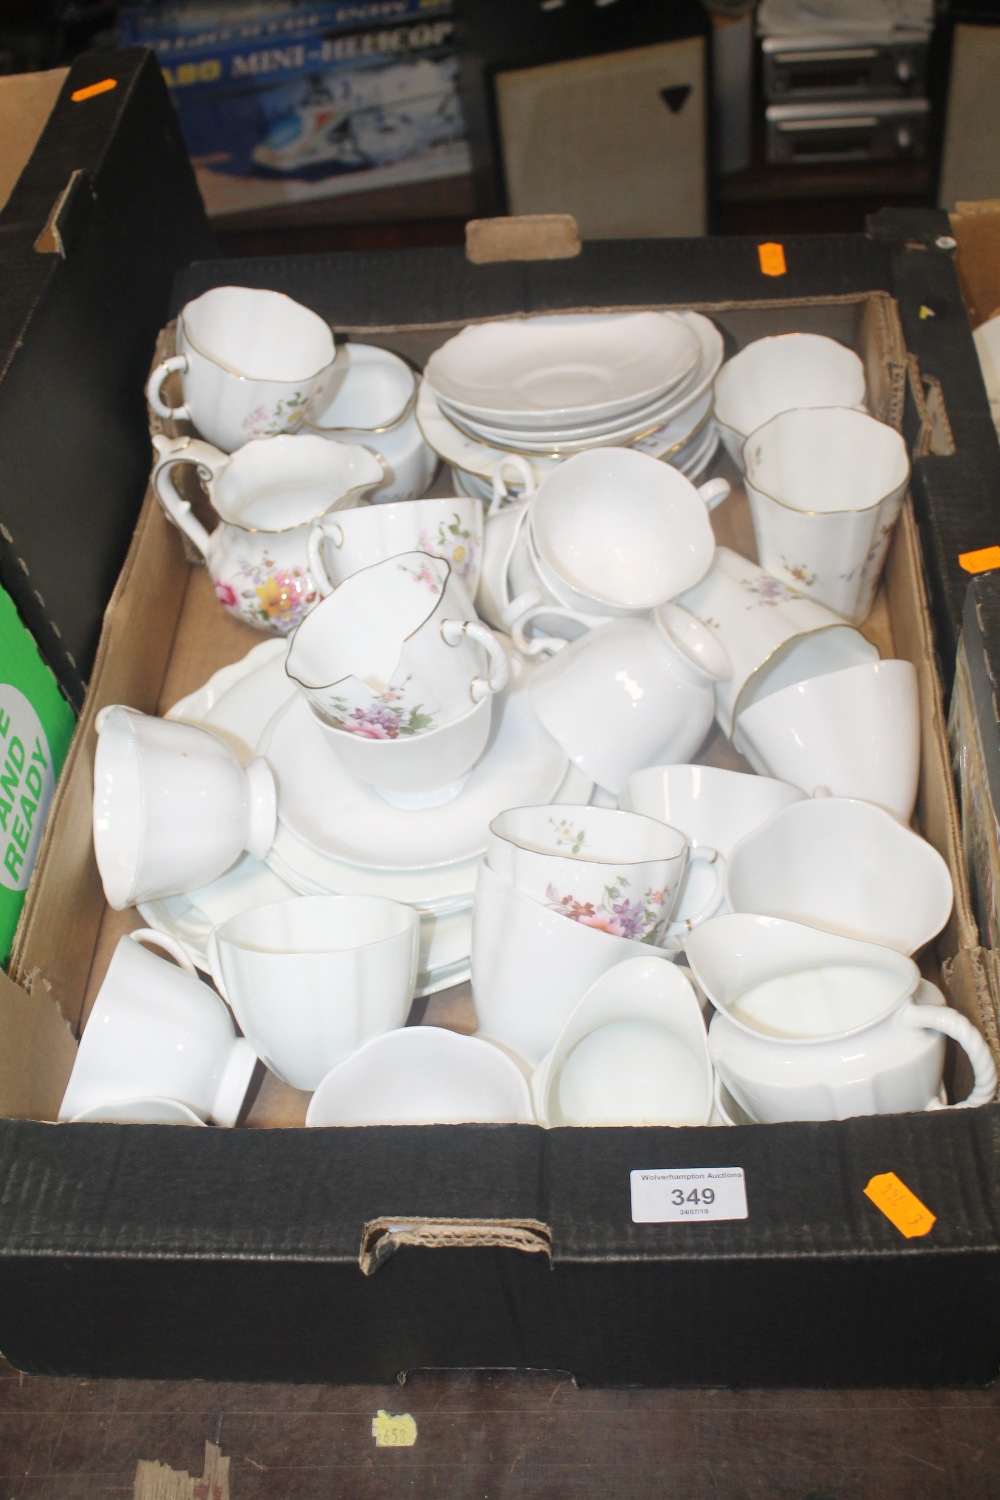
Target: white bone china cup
<point>173,807</point>
<point>250,361</point>
<point>370,397</point>
<point>158,1031</point>
<point>311,979</point>
<point>777,373</point>
<point>423,1075</point>
<point>825,485</point>
<point>633,1052</point>
<point>398,637</point>
<point>815,1026</point>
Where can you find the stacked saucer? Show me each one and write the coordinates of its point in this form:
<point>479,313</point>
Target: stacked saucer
<point>549,387</point>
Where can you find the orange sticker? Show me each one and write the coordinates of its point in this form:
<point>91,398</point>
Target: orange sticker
<point>92,89</point>
<point>980,561</point>
<point>772,259</point>
<point>900,1206</point>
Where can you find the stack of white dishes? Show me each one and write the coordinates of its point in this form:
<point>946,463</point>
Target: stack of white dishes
<point>549,387</point>
<point>337,835</point>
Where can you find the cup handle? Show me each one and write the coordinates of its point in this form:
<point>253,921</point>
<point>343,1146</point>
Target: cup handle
<point>206,460</point>
<point>147,937</point>
<point>714,492</point>
<point>701,854</point>
<point>531,606</point>
<point>317,562</point>
<point>452,632</point>
<point>155,383</point>
<point>526,474</point>
<point>984,1073</point>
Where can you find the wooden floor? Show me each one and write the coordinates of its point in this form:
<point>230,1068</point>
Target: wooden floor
<point>497,1436</point>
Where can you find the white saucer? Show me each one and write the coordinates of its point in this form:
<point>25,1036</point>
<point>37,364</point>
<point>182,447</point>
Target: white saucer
<point>238,701</point>
<point>326,807</point>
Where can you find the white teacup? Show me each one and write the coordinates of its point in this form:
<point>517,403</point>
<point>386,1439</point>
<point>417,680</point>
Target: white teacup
<point>814,1026</point>
<point>310,980</point>
<point>846,866</point>
<point>854,732</point>
<point>173,806</point>
<point>772,635</point>
<point>451,528</point>
<point>530,966</point>
<point>619,533</point>
<point>825,486</point>
<point>780,372</point>
<point>399,638</point>
<point>158,1032</point>
<point>616,871</point>
<point>631,693</point>
<point>370,397</point>
<point>633,1052</point>
<point>423,1075</point>
<point>250,362</point>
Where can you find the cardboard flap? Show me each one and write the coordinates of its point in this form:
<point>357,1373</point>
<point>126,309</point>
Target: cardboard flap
<point>383,1237</point>
<point>525,237</point>
<point>70,213</point>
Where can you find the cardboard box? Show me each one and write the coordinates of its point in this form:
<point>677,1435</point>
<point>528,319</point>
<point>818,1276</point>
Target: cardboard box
<point>98,210</point>
<point>286,103</point>
<point>274,1252</point>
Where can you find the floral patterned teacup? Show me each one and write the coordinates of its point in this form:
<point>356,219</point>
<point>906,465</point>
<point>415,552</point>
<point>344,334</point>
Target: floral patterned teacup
<point>451,529</point>
<point>268,496</point>
<point>396,650</point>
<point>825,486</point>
<point>616,871</point>
<point>250,362</point>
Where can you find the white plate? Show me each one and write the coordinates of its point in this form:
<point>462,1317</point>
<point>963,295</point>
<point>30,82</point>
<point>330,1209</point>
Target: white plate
<point>341,817</point>
<point>564,366</point>
<point>238,701</point>
<point>480,459</point>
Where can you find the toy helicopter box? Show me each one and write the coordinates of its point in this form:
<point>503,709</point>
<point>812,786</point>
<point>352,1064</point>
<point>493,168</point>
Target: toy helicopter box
<point>284,103</point>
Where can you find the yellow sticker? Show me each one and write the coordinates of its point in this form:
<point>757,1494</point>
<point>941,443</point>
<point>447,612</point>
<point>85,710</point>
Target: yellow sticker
<point>980,561</point>
<point>104,87</point>
<point>393,1432</point>
<point>900,1206</point>
<point>772,259</point>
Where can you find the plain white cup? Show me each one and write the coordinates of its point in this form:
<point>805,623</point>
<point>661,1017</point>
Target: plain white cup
<point>780,372</point>
<point>415,770</point>
<point>250,362</point>
<point>173,807</point>
<point>530,965</point>
<point>450,528</point>
<point>310,980</point>
<point>423,1075</point>
<point>815,1026</point>
<point>825,486</point>
<point>617,871</point>
<point>771,634</point>
<point>370,397</point>
<point>619,532</point>
<point>631,693</point>
<point>158,1032</point>
<point>855,733</point>
<point>633,1052</point>
<point>846,866</point>
<point>401,638</point>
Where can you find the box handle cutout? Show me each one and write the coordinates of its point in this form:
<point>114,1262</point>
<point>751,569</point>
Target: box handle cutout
<point>383,1237</point>
<point>69,213</point>
<point>522,237</point>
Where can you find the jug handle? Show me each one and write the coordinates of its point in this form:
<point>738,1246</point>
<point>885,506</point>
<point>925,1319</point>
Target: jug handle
<point>315,549</point>
<point>940,1018</point>
<point>207,460</point>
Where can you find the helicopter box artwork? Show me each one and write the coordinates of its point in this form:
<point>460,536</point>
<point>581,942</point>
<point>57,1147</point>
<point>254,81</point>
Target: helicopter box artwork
<point>285,103</point>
